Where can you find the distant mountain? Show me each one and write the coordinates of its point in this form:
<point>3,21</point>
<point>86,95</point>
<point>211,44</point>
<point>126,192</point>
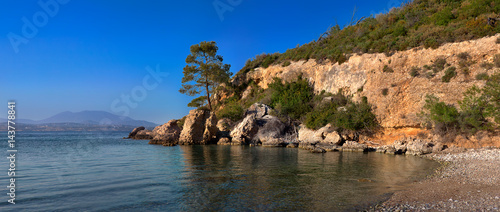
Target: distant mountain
<point>88,118</point>
<point>95,117</point>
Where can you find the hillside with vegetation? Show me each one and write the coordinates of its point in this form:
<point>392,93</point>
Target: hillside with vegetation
<point>373,75</point>
<point>428,23</point>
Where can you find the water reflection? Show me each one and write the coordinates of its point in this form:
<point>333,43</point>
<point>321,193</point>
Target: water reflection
<point>257,178</point>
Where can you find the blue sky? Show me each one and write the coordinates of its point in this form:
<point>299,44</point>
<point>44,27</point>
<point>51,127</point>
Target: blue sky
<point>77,55</point>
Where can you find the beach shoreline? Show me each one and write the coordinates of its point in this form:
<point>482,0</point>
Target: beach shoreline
<point>468,180</point>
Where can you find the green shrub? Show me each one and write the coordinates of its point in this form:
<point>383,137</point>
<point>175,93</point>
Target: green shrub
<point>486,65</point>
<point>181,121</point>
<point>286,63</point>
<point>443,117</point>
<point>385,91</point>
<point>232,111</point>
<point>498,40</point>
<point>463,56</point>
<point>414,24</point>
<point>438,64</point>
<point>492,96</point>
<point>291,99</point>
<point>496,60</point>
<point>448,74</point>
<point>387,69</point>
<point>482,76</point>
<point>427,67</point>
<point>443,17</point>
<point>472,114</point>
<point>344,115</point>
<point>429,75</point>
<point>414,71</point>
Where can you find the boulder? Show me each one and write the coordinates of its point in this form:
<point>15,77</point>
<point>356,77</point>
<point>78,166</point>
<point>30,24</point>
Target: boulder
<point>419,147</point>
<point>353,146</point>
<point>326,134</point>
<point>258,127</point>
<point>224,141</point>
<point>200,127</point>
<point>167,134</point>
<point>387,149</point>
<point>143,135</point>
<point>258,110</point>
<point>135,131</point>
<point>317,150</point>
<point>224,128</point>
<point>400,146</point>
<point>270,132</point>
<point>244,132</point>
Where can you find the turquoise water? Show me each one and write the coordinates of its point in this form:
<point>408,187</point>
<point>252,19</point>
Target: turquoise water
<point>99,171</point>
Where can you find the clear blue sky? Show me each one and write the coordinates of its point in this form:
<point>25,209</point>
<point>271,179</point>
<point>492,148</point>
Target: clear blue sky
<point>87,54</point>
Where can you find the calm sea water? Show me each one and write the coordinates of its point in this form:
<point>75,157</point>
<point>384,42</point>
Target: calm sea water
<point>100,171</point>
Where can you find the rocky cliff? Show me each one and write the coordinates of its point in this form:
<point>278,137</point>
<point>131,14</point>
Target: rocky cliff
<point>363,75</point>
<point>396,93</point>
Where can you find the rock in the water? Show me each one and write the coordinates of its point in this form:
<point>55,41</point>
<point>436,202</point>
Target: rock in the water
<point>200,127</point>
<point>353,146</point>
<point>224,141</point>
<point>325,134</point>
<point>387,149</point>
<point>318,150</point>
<point>144,135</point>
<point>167,134</point>
<point>271,132</point>
<point>135,131</point>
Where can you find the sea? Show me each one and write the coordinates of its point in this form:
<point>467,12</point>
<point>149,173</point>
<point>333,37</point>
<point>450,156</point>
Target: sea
<point>101,171</point>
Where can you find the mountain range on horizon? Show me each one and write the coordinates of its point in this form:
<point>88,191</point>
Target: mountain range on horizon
<point>87,117</point>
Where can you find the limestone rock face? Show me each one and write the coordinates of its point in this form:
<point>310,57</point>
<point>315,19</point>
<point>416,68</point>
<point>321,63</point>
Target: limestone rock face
<point>362,75</point>
<point>167,134</point>
<point>200,127</point>
<point>325,134</point>
<point>210,133</point>
<point>135,131</point>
